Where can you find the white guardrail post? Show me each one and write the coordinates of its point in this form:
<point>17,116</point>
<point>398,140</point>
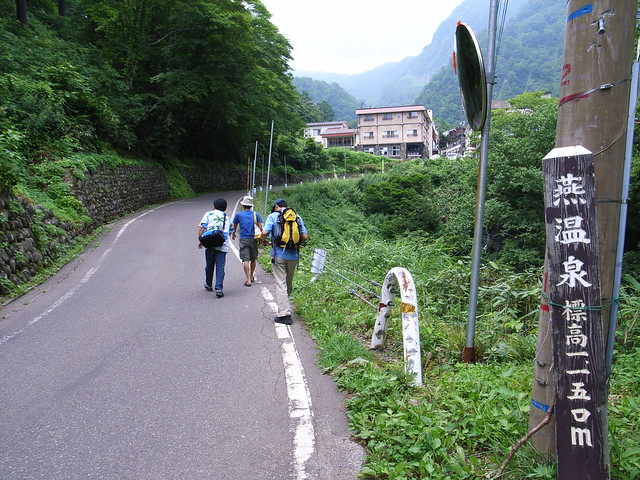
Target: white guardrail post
<point>400,280</point>
<point>317,263</point>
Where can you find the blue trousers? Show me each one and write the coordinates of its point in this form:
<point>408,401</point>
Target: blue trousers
<point>214,260</point>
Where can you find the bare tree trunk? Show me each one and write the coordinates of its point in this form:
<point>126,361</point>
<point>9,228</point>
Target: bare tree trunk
<point>62,8</point>
<point>21,9</point>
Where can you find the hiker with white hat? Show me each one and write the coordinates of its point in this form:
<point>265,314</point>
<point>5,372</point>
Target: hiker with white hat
<point>248,220</point>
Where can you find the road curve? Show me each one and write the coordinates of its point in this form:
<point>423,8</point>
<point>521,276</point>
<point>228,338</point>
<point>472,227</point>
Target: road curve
<point>121,366</point>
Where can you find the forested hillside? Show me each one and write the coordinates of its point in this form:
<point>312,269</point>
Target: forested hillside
<point>191,78</point>
<point>406,87</point>
<point>342,103</point>
<point>529,55</point>
<point>529,52</point>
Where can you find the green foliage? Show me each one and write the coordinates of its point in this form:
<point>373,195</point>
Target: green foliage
<point>628,331</point>
<point>178,185</point>
<point>12,163</point>
<point>305,155</point>
<point>466,418</point>
<point>519,141</point>
<point>194,78</point>
<point>52,92</point>
<point>529,56</point>
<point>333,100</point>
<point>308,111</point>
<point>400,204</point>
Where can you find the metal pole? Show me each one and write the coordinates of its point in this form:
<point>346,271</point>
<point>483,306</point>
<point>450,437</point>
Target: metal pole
<point>266,193</point>
<point>469,349</point>
<point>622,225</point>
<point>285,172</point>
<point>253,180</point>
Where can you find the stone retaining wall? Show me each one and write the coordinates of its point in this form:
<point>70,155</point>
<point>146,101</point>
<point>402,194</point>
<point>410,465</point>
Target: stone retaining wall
<point>31,238</point>
<point>203,180</point>
<point>108,194</point>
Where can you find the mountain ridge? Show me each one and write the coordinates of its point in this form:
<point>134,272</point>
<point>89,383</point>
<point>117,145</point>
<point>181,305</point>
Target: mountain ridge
<point>528,24</point>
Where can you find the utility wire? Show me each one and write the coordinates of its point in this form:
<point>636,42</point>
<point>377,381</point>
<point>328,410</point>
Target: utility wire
<point>503,19</point>
<point>351,291</point>
<point>373,282</point>
<point>351,281</point>
<point>328,259</point>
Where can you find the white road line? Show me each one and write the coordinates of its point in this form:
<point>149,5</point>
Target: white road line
<point>300,408</point>
<point>84,279</point>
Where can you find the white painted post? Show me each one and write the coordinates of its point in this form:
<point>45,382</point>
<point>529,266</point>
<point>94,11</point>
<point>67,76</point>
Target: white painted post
<point>317,264</point>
<point>400,280</point>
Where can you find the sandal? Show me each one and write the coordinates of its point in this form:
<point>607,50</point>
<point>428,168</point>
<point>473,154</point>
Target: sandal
<point>247,284</point>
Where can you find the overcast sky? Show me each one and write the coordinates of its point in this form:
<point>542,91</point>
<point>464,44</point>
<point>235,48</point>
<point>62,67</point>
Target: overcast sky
<point>353,36</point>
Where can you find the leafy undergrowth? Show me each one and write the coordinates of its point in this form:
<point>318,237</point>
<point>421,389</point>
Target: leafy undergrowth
<point>464,420</point>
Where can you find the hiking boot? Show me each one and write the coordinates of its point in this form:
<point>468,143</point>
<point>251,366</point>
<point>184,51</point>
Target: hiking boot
<point>285,319</point>
<point>219,293</point>
<point>208,288</point>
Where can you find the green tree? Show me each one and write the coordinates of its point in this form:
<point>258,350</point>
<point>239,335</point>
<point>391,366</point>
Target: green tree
<point>326,111</point>
<point>203,77</point>
<point>520,138</point>
<point>309,111</point>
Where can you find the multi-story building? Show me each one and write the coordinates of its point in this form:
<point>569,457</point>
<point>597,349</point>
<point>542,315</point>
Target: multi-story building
<point>397,132</point>
<point>457,141</point>
<point>315,130</point>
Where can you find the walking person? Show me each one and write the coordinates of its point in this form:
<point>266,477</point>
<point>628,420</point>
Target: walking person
<point>285,241</point>
<point>247,220</point>
<point>215,257</point>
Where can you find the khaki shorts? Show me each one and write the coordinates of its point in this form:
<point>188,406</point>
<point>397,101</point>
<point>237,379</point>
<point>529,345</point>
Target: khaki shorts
<point>248,249</point>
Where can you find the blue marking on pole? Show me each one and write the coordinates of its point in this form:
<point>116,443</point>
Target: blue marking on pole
<point>540,406</point>
<point>581,11</point>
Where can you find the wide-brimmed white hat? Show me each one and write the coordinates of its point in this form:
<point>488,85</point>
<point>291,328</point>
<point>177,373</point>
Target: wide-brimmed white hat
<point>247,201</point>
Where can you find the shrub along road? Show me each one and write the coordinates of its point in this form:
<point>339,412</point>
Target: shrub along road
<point>122,366</point>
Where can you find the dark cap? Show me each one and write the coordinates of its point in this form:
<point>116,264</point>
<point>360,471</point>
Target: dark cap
<point>280,202</point>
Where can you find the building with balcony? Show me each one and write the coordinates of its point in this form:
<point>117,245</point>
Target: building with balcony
<point>339,137</point>
<point>316,131</point>
<point>397,132</point>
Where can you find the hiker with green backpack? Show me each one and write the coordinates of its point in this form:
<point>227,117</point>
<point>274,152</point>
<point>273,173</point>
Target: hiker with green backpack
<point>287,232</point>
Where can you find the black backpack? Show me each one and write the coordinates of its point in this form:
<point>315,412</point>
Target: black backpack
<point>213,238</point>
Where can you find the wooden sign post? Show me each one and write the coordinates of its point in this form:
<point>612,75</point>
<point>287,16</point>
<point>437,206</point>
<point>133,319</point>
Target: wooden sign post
<point>575,306</point>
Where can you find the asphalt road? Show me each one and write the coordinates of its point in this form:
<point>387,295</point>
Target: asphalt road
<point>122,366</point>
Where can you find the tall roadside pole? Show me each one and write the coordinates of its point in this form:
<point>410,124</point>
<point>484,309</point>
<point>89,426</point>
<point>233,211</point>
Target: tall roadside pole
<point>592,113</point>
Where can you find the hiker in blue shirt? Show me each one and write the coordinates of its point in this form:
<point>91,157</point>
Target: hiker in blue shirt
<point>215,258</point>
<point>247,219</point>
<point>283,260</point>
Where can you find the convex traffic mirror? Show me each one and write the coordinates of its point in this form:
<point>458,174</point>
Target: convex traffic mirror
<point>472,78</point>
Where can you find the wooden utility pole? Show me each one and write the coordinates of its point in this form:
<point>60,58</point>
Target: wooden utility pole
<point>592,113</point>
<point>574,289</point>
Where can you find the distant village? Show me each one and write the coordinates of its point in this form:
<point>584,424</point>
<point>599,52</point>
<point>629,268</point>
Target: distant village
<point>402,133</point>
